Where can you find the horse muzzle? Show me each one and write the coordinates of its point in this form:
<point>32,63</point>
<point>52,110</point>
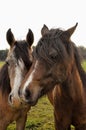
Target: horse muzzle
<point>14,101</point>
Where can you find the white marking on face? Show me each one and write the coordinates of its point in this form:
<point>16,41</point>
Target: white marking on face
<point>18,78</point>
<point>11,55</point>
<point>30,78</point>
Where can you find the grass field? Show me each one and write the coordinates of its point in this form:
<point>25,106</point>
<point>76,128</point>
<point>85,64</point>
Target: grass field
<point>1,63</point>
<point>40,117</point>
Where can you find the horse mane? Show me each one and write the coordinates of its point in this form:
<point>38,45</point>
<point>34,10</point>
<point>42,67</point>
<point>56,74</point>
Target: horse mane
<point>21,52</point>
<point>79,66</point>
<point>4,80</point>
<point>42,50</point>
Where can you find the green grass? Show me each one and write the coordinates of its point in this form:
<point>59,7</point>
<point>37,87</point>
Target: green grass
<point>1,63</point>
<point>40,117</point>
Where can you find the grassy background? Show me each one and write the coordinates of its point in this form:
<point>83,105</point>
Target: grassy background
<point>40,117</point>
<point>1,64</point>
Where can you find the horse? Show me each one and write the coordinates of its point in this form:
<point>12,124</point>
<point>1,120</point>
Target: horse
<point>18,62</point>
<point>57,71</point>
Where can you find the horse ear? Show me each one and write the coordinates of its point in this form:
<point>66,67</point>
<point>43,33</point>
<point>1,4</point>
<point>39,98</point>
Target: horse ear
<point>10,37</point>
<point>70,31</point>
<point>44,30</point>
<point>30,37</point>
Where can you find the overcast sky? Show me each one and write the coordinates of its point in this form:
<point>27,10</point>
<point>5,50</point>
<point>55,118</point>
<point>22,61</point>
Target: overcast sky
<point>20,15</point>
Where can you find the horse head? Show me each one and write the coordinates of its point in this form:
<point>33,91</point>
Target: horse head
<point>53,59</point>
<point>19,61</point>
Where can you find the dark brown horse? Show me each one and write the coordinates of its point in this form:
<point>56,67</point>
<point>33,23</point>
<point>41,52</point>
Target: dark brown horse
<point>57,71</point>
<point>18,62</point>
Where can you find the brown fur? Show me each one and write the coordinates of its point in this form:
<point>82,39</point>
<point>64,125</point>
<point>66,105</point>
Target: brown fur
<point>8,113</point>
<point>57,71</point>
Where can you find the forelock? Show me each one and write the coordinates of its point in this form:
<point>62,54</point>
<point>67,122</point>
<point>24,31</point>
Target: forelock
<point>48,41</point>
<point>21,52</point>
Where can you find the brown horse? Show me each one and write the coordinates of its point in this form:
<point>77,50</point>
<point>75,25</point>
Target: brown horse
<point>17,64</point>
<point>57,71</point>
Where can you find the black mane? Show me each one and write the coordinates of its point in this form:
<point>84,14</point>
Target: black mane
<point>21,52</point>
<point>56,39</point>
<point>4,80</point>
<point>79,66</point>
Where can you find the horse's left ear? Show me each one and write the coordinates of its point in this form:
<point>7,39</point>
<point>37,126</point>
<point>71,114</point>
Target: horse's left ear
<point>30,37</point>
<point>70,31</point>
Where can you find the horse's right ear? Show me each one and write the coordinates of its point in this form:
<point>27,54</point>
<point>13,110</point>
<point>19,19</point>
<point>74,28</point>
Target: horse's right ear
<point>44,30</point>
<point>10,37</point>
<point>30,37</point>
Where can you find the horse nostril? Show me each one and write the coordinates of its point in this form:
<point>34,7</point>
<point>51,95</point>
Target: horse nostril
<point>27,94</point>
<point>7,62</point>
<point>10,98</point>
<point>19,92</point>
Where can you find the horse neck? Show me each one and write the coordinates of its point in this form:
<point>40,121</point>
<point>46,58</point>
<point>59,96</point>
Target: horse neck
<point>73,86</point>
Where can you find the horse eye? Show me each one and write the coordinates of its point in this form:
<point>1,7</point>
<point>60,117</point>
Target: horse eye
<point>7,63</point>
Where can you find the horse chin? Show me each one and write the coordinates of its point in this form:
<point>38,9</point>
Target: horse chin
<point>32,103</point>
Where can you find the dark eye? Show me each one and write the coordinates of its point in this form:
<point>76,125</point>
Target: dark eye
<point>7,62</point>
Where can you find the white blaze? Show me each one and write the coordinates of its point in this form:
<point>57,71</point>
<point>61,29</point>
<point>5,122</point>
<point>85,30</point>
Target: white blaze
<point>30,78</point>
<point>18,78</point>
